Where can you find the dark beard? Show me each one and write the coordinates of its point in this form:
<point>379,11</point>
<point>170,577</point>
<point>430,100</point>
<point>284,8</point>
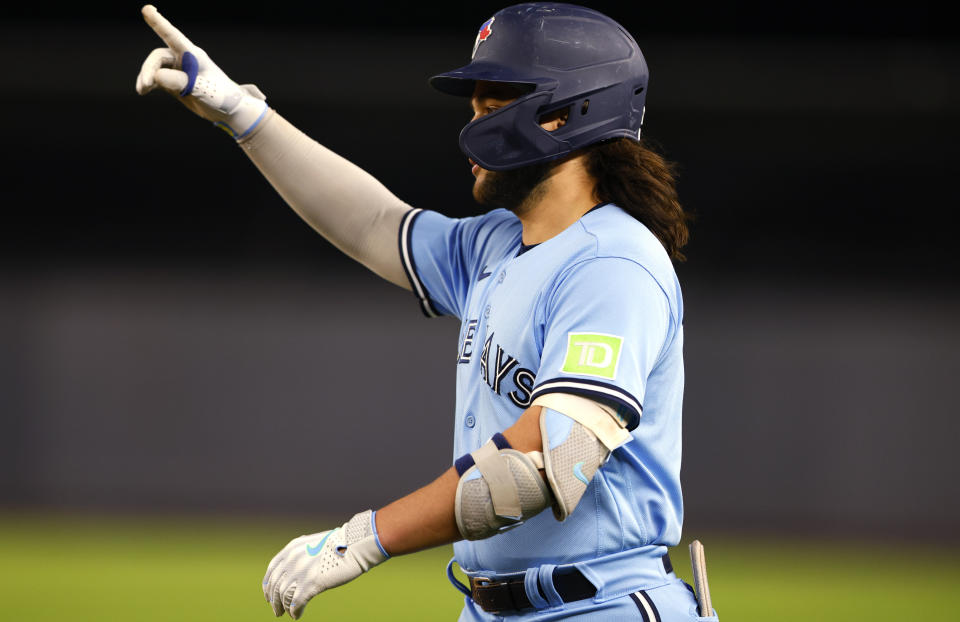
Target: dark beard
<point>515,189</point>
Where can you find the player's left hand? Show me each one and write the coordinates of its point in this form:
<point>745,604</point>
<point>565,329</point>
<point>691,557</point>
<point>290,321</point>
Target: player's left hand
<point>311,564</point>
<point>185,71</point>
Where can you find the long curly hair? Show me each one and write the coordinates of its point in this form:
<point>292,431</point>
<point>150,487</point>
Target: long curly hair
<point>632,175</point>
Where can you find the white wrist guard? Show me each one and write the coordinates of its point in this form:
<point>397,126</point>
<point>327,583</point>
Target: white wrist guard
<point>499,488</point>
<point>578,437</point>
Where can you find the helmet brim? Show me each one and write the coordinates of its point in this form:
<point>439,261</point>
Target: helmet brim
<point>462,81</point>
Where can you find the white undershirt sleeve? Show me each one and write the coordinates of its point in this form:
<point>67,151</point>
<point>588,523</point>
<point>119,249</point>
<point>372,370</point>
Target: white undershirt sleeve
<point>341,201</point>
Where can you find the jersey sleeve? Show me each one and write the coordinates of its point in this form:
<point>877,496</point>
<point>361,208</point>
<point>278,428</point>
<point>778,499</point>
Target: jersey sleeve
<point>605,324</point>
<point>441,256</point>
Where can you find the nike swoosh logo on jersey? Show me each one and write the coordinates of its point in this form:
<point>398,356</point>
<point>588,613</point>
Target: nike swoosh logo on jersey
<point>483,274</point>
<point>578,473</point>
<point>312,551</point>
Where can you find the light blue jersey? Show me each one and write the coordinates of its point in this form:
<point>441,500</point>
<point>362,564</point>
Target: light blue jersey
<point>594,311</point>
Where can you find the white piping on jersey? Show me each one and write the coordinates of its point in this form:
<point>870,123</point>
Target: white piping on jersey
<point>561,384</point>
<point>641,599</point>
<point>408,262</point>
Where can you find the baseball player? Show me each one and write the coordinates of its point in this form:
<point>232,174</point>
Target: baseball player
<point>569,361</point>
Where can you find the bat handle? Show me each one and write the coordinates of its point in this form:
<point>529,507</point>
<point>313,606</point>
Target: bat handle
<point>699,564</point>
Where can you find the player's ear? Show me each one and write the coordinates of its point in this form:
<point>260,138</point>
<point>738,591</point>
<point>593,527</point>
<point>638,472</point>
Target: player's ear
<point>554,120</point>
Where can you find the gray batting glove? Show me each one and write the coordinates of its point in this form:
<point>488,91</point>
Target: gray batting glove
<point>321,561</point>
<point>186,72</point>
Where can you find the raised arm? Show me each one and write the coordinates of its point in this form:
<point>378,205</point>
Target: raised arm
<point>341,201</point>
<point>345,204</point>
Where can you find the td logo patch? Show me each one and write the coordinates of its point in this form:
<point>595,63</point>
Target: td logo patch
<point>592,354</point>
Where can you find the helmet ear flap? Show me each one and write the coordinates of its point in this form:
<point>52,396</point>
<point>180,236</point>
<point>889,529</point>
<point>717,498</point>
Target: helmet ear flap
<point>511,137</point>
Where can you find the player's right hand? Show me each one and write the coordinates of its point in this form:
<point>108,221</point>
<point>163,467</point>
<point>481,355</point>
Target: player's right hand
<point>309,565</point>
<point>186,72</point>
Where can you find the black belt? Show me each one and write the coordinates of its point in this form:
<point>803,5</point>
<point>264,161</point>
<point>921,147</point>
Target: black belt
<point>511,594</point>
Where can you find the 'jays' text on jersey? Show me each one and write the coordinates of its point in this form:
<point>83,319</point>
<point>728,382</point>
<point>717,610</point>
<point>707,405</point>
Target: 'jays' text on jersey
<point>594,311</point>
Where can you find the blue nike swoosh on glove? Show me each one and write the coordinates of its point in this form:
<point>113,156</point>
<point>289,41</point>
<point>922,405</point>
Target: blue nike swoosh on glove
<point>312,551</point>
<point>578,473</point>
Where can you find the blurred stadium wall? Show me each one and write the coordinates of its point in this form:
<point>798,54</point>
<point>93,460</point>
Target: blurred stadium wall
<point>173,337</point>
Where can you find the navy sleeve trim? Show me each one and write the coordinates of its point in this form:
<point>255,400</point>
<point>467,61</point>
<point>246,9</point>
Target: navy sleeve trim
<point>463,464</point>
<point>410,266</point>
<point>628,407</point>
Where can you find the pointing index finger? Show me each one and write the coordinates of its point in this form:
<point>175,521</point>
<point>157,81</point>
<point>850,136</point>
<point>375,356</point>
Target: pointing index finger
<point>174,39</point>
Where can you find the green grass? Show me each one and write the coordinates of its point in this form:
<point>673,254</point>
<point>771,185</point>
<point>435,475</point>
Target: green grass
<point>77,569</point>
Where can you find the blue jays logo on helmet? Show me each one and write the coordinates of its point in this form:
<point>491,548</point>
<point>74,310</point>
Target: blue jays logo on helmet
<point>562,56</point>
<point>485,31</point>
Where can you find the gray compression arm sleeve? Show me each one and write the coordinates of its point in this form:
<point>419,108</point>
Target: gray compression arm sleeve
<point>344,203</point>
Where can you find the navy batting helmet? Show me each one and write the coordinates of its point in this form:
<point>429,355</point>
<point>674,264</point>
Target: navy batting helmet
<point>561,56</point>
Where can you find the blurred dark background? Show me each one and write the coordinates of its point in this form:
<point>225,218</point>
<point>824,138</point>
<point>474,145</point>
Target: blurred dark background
<point>173,337</point>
